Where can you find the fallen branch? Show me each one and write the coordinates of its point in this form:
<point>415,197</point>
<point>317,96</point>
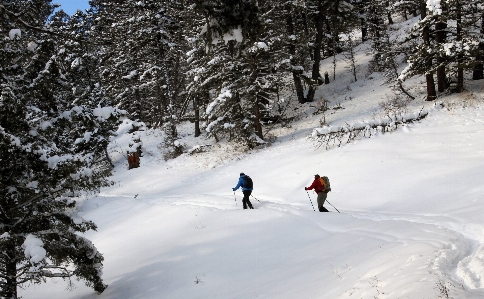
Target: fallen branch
<point>338,136</point>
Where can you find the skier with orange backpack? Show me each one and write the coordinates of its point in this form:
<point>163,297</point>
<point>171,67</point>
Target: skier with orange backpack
<point>321,187</point>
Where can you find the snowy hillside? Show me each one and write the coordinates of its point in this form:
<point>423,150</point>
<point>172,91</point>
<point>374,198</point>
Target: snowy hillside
<point>411,206</point>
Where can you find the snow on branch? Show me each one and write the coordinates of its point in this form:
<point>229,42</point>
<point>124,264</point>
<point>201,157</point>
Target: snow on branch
<point>18,17</point>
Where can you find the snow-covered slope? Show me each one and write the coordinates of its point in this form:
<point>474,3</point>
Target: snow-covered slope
<point>411,206</point>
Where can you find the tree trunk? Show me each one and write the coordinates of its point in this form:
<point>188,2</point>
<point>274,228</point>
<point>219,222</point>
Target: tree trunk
<point>10,289</point>
<point>478,73</point>
<point>440,39</point>
<point>257,124</point>
<point>299,87</point>
<point>389,14</point>
<point>160,97</point>
<point>317,52</point>
<point>140,105</point>
<point>431,93</point>
<point>376,25</point>
<point>460,56</point>
<point>197,117</point>
<point>429,77</point>
<point>364,29</point>
<point>296,75</point>
<point>107,156</point>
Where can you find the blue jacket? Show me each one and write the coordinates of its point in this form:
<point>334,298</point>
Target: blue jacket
<point>240,183</point>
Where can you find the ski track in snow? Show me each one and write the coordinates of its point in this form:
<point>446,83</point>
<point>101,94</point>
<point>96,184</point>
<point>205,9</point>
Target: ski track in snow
<point>469,268</point>
<point>465,254</point>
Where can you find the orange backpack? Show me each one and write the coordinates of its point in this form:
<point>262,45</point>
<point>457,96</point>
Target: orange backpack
<point>325,183</point>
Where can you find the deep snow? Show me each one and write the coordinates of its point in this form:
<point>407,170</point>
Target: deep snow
<point>411,207</point>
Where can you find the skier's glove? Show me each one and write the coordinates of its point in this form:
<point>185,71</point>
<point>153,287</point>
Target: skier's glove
<point>233,189</point>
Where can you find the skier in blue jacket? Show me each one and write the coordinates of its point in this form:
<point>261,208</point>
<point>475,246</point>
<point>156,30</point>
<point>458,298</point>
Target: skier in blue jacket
<point>247,190</point>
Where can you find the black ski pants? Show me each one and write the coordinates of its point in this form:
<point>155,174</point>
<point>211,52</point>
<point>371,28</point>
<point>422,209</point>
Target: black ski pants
<point>246,202</point>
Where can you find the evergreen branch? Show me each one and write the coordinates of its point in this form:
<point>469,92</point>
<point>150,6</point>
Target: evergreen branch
<point>17,17</point>
<point>25,203</point>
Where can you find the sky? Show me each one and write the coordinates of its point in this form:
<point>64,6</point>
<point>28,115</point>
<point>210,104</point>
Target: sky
<point>71,6</point>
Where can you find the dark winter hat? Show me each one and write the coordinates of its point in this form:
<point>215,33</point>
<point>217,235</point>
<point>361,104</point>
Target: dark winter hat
<point>241,174</point>
<point>316,175</point>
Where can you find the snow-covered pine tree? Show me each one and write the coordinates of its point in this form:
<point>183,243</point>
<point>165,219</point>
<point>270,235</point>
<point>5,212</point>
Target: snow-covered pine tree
<point>142,59</point>
<point>376,12</point>
<point>360,6</point>
<point>421,60</point>
<point>319,9</point>
<point>440,37</point>
<point>120,56</point>
<point>478,72</point>
<point>463,36</point>
<point>80,59</point>
<point>451,37</point>
<point>326,21</point>
<point>341,17</point>
<point>166,66</point>
<point>51,149</point>
<point>297,43</point>
<point>243,64</point>
<point>405,8</point>
<point>201,75</point>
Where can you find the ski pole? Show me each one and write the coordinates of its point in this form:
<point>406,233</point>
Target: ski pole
<point>310,200</point>
<point>255,198</point>
<point>333,206</point>
<point>235,199</point>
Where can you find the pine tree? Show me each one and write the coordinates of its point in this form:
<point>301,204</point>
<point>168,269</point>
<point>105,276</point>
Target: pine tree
<point>405,7</point>
<point>451,41</point>
<point>52,144</point>
<point>327,20</point>
<point>319,8</point>
<point>421,62</point>
<point>240,67</point>
<point>79,58</point>
<point>463,37</point>
<point>440,37</point>
<point>478,72</point>
<point>341,18</point>
<point>378,33</point>
<point>360,6</point>
<point>142,59</point>
<point>201,75</point>
<point>120,58</point>
<point>296,40</point>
